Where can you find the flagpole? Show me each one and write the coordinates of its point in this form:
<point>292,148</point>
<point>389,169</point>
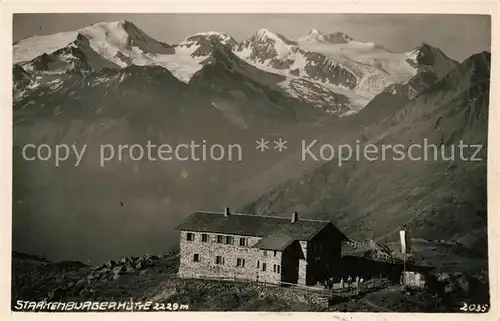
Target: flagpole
<point>403,250</point>
<point>404,262</point>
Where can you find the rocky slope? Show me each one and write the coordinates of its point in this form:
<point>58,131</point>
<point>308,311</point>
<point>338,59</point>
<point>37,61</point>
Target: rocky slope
<point>151,278</point>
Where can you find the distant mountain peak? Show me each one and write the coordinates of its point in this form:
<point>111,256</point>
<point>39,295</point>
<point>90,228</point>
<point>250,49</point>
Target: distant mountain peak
<point>125,23</point>
<point>111,24</point>
<point>480,62</point>
<point>315,32</point>
<point>481,56</point>
<point>210,34</point>
<point>264,35</point>
<point>425,57</point>
<point>263,32</point>
<point>336,37</point>
<point>425,49</point>
<point>203,38</point>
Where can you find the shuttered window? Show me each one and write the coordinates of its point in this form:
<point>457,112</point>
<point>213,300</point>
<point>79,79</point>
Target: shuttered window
<point>219,259</point>
<point>240,262</point>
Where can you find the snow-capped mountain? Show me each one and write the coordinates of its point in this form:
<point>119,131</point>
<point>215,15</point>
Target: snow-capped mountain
<point>333,38</point>
<point>275,53</point>
<point>431,64</point>
<point>332,72</point>
<point>375,67</point>
<point>121,42</point>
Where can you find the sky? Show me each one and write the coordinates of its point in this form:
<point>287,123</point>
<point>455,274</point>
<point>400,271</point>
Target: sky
<point>458,36</point>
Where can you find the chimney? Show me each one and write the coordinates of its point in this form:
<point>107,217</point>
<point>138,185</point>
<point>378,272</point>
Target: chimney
<point>295,217</point>
<point>226,212</point>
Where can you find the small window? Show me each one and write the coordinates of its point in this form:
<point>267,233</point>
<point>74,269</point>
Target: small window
<point>220,239</point>
<point>274,268</point>
<point>264,266</point>
<point>190,237</point>
<point>275,253</point>
<point>229,240</point>
<point>240,262</point>
<point>243,241</point>
<point>278,269</point>
<point>196,258</point>
<point>258,264</point>
<point>204,238</point>
<point>219,260</point>
<point>265,252</point>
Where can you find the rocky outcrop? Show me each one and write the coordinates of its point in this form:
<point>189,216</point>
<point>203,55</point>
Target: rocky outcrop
<point>112,270</point>
<point>452,287</point>
<point>107,272</point>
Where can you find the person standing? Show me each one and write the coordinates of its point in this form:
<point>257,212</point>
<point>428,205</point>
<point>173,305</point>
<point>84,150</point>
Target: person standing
<point>349,282</point>
<point>342,283</point>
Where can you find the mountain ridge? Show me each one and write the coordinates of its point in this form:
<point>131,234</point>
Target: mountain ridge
<point>121,43</point>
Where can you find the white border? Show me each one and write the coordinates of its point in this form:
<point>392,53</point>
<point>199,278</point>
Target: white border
<point>281,6</point>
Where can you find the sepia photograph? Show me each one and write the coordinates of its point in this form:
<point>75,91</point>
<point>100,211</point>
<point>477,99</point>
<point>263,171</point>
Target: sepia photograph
<point>300,162</point>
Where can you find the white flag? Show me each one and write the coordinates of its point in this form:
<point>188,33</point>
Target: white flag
<point>405,241</point>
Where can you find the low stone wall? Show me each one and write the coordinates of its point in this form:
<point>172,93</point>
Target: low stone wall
<point>270,290</point>
<point>299,295</point>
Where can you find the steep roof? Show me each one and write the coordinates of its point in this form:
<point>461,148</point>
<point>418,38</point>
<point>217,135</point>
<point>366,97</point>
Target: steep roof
<point>252,225</point>
<point>277,241</point>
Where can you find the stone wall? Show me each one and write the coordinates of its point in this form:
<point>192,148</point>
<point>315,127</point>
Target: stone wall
<point>208,251</point>
<point>287,294</point>
<point>303,264</point>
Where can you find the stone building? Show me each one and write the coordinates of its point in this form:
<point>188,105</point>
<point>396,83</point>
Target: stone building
<point>260,248</point>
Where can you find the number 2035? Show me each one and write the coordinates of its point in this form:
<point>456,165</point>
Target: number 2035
<point>474,307</point>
